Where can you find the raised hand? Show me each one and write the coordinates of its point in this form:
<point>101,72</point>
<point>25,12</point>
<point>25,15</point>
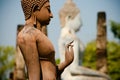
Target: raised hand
<point>69,57</point>
<point>69,53</point>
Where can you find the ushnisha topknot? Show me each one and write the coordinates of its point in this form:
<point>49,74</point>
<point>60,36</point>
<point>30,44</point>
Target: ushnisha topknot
<point>29,5</point>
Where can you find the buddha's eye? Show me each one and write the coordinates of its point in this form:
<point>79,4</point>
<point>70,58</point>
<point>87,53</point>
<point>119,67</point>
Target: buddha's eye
<point>48,9</point>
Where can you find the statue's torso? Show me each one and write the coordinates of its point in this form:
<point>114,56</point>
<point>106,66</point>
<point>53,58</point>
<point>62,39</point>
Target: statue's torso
<point>44,48</point>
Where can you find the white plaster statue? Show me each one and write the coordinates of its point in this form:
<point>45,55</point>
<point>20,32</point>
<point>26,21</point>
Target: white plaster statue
<point>67,35</point>
<point>76,71</point>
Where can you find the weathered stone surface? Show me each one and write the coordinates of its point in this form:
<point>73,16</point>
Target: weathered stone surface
<point>101,42</point>
<point>19,71</point>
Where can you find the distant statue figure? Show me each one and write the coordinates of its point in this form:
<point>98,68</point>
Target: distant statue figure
<point>37,50</point>
<point>76,69</point>
<point>68,33</point>
<point>71,23</point>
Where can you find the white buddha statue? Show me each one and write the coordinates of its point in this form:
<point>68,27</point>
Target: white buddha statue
<point>75,71</point>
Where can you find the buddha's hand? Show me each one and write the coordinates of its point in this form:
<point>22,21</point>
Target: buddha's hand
<point>69,57</point>
<point>69,53</point>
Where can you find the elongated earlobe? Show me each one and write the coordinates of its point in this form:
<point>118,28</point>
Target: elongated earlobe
<point>34,17</point>
<point>35,8</point>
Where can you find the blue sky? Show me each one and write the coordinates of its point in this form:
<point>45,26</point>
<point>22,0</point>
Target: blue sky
<point>11,15</point>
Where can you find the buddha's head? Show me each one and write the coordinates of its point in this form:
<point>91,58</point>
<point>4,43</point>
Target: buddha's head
<point>29,6</point>
<point>73,23</point>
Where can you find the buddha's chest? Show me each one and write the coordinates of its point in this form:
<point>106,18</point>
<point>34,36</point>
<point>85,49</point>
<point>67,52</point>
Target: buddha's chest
<point>45,47</point>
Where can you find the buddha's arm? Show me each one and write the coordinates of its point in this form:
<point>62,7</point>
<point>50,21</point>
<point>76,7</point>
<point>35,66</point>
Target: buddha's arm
<point>30,54</point>
<point>69,56</point>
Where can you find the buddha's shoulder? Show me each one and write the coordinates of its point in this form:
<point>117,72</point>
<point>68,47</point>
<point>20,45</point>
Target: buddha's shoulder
<point>28,34</point>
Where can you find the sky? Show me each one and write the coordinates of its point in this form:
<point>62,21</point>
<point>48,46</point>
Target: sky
<point>11,15</point>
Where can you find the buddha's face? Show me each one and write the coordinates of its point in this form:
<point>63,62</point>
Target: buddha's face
<point>75,23</point>
<point>44,14</point>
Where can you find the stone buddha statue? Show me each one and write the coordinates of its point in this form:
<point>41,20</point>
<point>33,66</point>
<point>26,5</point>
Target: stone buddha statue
<point>70,24</point>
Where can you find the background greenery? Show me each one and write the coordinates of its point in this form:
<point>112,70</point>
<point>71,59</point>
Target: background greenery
<point>6,61</point>
<point>113,51</point>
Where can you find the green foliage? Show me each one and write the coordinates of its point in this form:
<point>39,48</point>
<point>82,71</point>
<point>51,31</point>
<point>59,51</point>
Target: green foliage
<point>57,61</point>
<point>89,55</point>
<point>114,60</point>
<point>115,28</point>
<point>113,51</point>
<point>6,61</point>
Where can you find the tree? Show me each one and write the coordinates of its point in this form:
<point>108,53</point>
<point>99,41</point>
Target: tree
<point>115,28</point>
<point>113,59</point>
<point>6,61</point>
<point>89,59</point>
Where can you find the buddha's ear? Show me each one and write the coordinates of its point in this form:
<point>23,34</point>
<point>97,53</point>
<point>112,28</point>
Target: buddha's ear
<point>35,8</point>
